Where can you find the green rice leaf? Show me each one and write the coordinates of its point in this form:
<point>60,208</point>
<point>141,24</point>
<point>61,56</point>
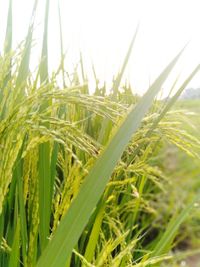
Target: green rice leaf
<point>24,64</point>
<point>9,31</point>
<point>44,60</point>
<point>120,75</point>
<point>14,256</point>
<point>45,179</point>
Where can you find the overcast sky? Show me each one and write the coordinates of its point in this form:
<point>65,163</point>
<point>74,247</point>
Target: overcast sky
<point>103,29</point>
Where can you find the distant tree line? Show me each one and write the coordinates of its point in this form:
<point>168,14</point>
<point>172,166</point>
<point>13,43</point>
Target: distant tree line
<point>191,93</point>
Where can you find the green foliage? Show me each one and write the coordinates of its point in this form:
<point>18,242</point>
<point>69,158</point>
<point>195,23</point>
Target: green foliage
<point>82,183</point>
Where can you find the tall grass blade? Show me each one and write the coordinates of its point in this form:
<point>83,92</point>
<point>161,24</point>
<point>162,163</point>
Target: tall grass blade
<point>15,253</point>
<point>61,47</point>
<point>22,211</point>
<point>90,249</point>
<point>45,184</point>
<point>7,52</point>
<point>120,75</point>
<point>24,64</point>
<point>44,57</point>
<point>9,31</point>
<point>82,68</point>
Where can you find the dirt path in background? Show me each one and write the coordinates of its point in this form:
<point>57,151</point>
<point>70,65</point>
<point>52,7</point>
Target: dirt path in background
<point>171,164</point>
<point>193,261</point>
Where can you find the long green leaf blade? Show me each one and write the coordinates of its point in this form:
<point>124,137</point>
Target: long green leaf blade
<point>44,60</point>
<point>24,64</point>
<point>45,185</point>
<point>14,257</point>
<point>8,37</point>
<point>120,75</point>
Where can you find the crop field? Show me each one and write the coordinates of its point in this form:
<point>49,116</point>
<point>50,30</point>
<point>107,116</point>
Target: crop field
<point>184,172</point>
<point>94,179</point>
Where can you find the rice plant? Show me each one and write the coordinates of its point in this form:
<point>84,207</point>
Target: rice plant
<point>81,178</point>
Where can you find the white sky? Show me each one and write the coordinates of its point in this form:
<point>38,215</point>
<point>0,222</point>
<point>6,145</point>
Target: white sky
<point>103,29</point>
